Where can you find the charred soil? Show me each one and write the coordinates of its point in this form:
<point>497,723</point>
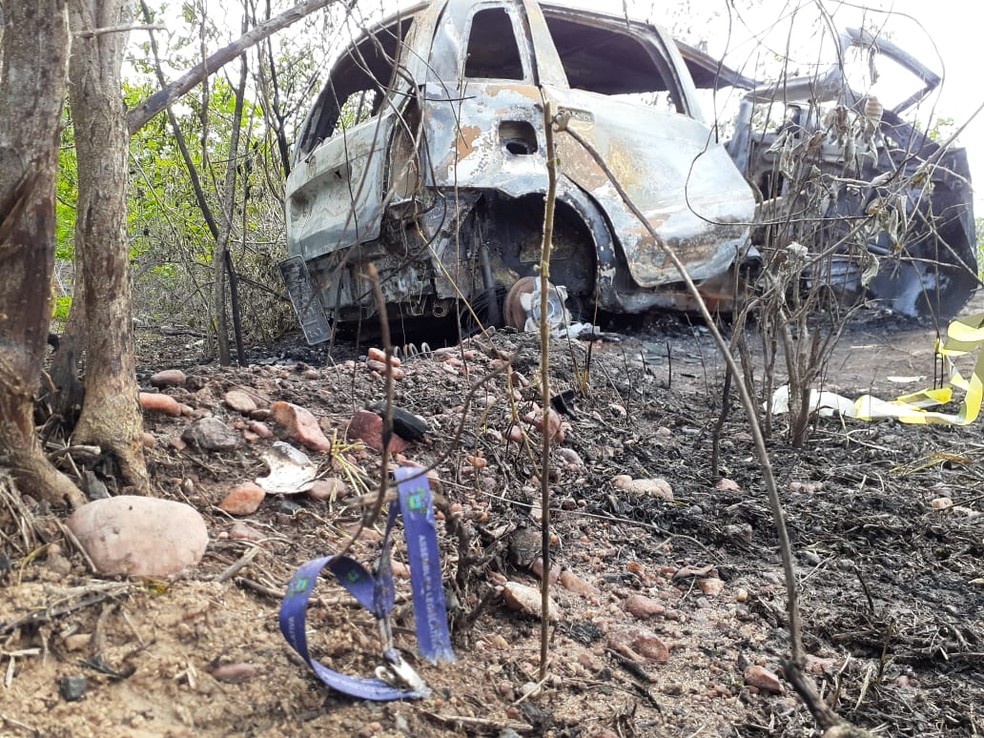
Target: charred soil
<point>672,611</point>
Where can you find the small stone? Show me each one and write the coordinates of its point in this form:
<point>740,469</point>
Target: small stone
<point>243,499</point>
<point>537,568</point>
<point>234,673</point>
<point>242,532</point>
<point>573,583</point>
<point>727,485</point>
<point>140,536</point>
<point>639,644</point>
<point>260,428</point>
<point>239,401</point>
<point>804,488</point>
<point>367,426</point>
<point>663,432</point>
<point>526,600</point>
<point>328,489</point>
<point>211,434</point>
<point>156,402</point>
<point>72,689</point>
<point>643,607</point>
<point>741,595</point>
<point>711,586</point>
<point>77,641</point>
<point>149,440</point>
<point>169,378</point>
<point>941,503</point>
<point>311,374</point>
<point>762,678</point>
<point>301,425</point>
<point>657,487</point>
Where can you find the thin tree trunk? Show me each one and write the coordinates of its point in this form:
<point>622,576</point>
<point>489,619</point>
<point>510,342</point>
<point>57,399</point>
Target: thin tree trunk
<point>32,90</point>
<point>111,416</point>
<point>219,258</point>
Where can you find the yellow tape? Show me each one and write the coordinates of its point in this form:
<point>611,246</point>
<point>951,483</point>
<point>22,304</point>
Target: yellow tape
<point>964,335</point>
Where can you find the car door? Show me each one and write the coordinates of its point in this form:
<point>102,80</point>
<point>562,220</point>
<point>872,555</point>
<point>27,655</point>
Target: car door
<point>628,94</point>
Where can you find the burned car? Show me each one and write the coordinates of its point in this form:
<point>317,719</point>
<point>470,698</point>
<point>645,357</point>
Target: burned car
<point>425,154</point>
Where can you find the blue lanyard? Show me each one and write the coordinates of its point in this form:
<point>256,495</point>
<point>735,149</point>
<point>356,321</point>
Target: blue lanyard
<point>395,679</point>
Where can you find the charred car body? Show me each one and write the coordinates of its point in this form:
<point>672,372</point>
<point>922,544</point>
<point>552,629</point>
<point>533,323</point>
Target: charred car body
<point>425,154</point>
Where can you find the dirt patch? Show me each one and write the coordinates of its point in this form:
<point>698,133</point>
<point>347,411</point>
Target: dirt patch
<point>891,582</point>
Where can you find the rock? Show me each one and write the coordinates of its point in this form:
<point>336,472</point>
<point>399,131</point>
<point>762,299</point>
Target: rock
<point>243,499</point>
<point>640,645</point>
<point>260,429</point>
<point>149,440</point>
<point>643,607</point>
<point>526,600</point>
<point>140,536</point>
<point>573,583</point>
<point>727,485</point>
<point>302,425</point>
<point>73,688</point>
<point>537,568</point>
<point>328,489</point>
<point>711,586</point>
<point>367,426</point>
<point>377,354</point>
<point>169,378</point>
<point>242,532</point>
<point>211,434</point>
<point>762,678</point>
<point>941,503</point>
<point>56,560</point>
<point>234,673</point>
<point>155,402</point>
<point>239,401</point>
<point>657,487</point>
<point>77,641</point>
<point>805,488</point>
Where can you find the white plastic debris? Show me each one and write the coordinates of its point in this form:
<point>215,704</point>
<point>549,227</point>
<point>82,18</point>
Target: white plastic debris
<point>291,471</point>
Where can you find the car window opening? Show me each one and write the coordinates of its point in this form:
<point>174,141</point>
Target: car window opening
<point>611,63</point>
<point>493,52</point>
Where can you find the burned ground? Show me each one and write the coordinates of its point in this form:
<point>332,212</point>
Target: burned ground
<point>891,582</point>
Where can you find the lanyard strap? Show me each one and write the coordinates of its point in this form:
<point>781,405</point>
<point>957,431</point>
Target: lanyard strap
<point>395,679</point>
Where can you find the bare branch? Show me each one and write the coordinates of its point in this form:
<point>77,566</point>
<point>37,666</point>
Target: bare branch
<point>117,29</point>
<point>139,116</point>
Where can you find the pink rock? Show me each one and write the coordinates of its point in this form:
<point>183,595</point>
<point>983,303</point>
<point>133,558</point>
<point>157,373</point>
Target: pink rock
<point>644,607</point>
<point>367,426</point>
<point>727,485</point>
<point>328,489</point>
<point>259,428</point>
<point>169,378</point>
<point>573,583</point>
<point>242,532</point>
<point>537,568</point>
<point>762,678</point>
<point>301,425</point>
<point>239,401</point>
<point>140,536</point>
<point>639,644</point>
<point>234,673</point>
<point>149,440</point>
<point>155,402</point>
<point>243,499</point>
<point>711,586</point>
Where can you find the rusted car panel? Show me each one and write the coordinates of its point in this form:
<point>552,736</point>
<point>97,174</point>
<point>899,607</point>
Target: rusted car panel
<point>425,155</point>
<point>441,184</point>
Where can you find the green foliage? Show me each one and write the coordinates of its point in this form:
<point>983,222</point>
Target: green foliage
<point>60,308</point>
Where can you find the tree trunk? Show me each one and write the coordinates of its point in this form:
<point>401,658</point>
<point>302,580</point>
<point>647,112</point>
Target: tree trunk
<point>219,256</point>
<point>111,416</point>
<point>32,89</point>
